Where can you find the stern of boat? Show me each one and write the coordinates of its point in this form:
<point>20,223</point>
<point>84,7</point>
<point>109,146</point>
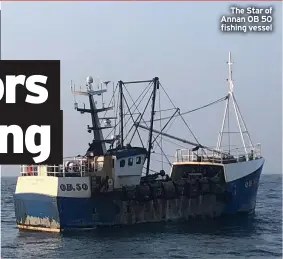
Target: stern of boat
<point>41,201</point>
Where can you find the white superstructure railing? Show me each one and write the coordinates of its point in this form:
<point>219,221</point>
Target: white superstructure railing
<point>237,155</point>
<point>71,166</point>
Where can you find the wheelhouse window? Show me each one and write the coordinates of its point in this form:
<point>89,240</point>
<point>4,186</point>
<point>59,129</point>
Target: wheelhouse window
<point>122,163</point>
<point>138,160</point>
<point>130,161</point>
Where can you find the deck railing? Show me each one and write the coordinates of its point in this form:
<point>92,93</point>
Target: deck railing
<point>29,170</point>
<point>72,166</point>
<point>235,155</point>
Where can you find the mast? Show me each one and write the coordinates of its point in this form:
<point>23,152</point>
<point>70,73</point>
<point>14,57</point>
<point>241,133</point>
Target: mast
<point>155,87</point>
<point>97,147</point>
<point>121,114</point>
<point>0,59</point>
<point>240,121</point>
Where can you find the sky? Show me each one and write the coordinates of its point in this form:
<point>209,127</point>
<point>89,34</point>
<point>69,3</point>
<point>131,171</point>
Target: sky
<point>180,42</point>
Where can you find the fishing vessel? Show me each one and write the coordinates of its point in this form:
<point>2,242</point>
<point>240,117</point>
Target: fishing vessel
<point>113,182</point>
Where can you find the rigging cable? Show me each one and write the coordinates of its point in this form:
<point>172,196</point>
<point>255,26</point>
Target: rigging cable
<point>180,114</point>
<point>145,122</point>
<point>167,140</point>
<point>141,117</point>
<point>112,98</point>
<point>132,119</point>
<point>170,141</point>
<point>130,108</point>
<point>196,109</point>
<point>173,116</point>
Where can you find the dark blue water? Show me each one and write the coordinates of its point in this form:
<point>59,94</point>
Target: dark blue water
<point>259,236</point>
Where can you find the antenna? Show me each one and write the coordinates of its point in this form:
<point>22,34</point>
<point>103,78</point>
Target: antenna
<point>230,73</point>
<point>240,121</point>
<point>73,90</point>
<point>105,83</point>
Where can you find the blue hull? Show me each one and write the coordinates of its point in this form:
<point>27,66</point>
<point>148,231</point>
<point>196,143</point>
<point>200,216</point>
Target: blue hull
<point>244,194</point>
<point>41,212</point>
